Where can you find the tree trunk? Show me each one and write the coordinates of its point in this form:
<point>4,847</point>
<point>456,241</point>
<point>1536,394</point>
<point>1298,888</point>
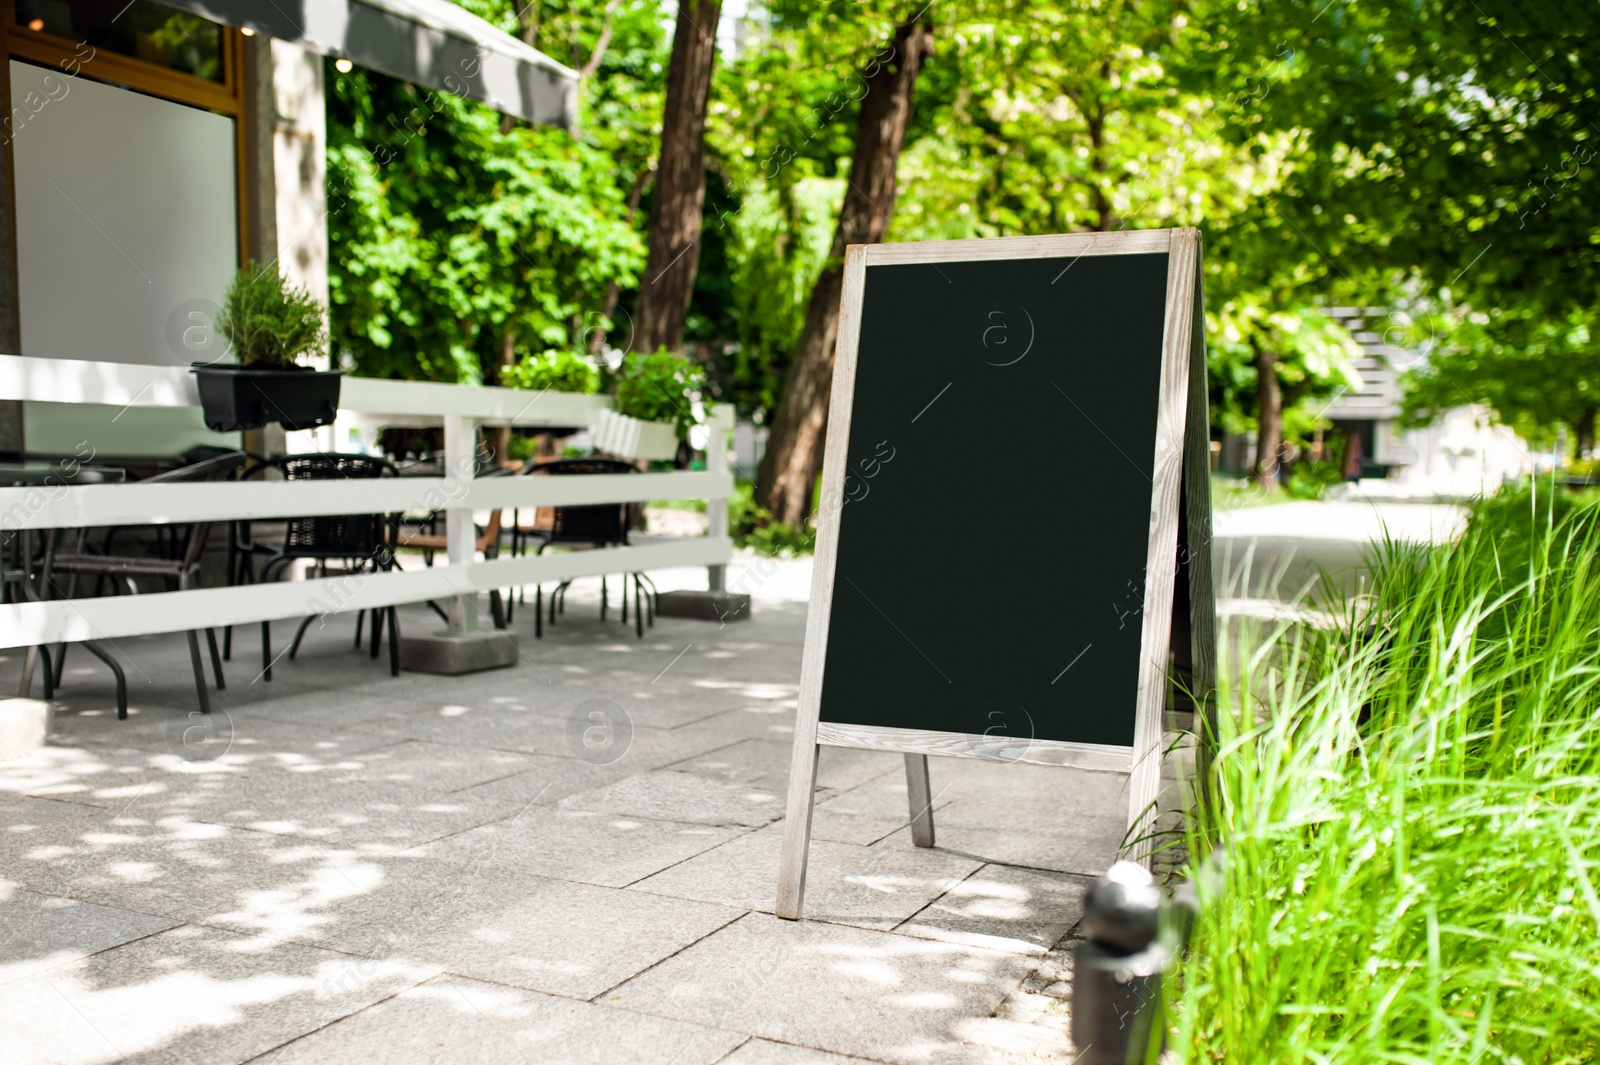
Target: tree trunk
<point>794,449</point>
<point>498,437</point>
<point>668,281</point>
<point>1269,418</point>
<point>1104,217</point>
<point>1584,431</point>
<point>528,22</point>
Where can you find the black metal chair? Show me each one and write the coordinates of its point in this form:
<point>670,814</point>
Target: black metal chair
<point>181,568</point>
<point>424,536</point>
<point>21,561</point>
<point>360,542</point>
<point>587,526</point>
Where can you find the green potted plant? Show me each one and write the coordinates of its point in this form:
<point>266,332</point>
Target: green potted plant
<point>656,396</point>
<point>269,324</point>
<point>660,387</point>
<point>556,370</point>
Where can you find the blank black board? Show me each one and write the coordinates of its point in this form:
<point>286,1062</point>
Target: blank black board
<point>995,519</point>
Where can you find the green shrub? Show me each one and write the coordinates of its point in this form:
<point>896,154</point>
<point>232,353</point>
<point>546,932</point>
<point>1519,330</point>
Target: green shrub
<point>520,447</point>
<point>754,528</point>
<point>557,370</point>
<point>1405,813</point>
<point>1228,493</point>
<point>776,539</point>
<point>660,387</point>
<point>1311,478</point>
<point>269,322</point>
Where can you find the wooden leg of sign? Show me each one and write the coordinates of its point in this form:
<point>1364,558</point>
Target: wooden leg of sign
<point>797,828</point>
<point>921,796</point>
<point>1202,590</point>
<point>1161,572</point>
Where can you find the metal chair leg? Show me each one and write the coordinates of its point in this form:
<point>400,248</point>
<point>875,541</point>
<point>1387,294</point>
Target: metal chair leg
<point>602,598</point>
<point>48,677</point>
<point>377,631</point>
<point>216,660</point>
<point>497,609</point>
<point>116,671</point>
<point>652,604</point>
<point>394,643</point>
<point>242,574</point>
<point>299,634</point>
<point>199,672</point>
<point>361,618</point>
<point>538,611</point>
<point>266,650</point>
<point>30,662</point>
<point>638,607</point>
<point>61,650</point>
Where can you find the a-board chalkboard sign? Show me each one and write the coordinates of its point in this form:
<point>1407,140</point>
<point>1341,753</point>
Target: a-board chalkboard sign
<point>1016,442</point>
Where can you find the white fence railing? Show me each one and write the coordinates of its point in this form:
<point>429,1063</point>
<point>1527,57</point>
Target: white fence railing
<point>461,409</point>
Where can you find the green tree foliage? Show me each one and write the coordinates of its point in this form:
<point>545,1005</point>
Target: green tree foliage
<point>1031,118</point>
<point>1453,139</point>
<point>1335,153</point>
<point>780,135</point>
<point>1437,148</point>
<point>1531,370</point>
<point>1065,117</point>
<point>454,236</point>
<point>776,243</point>
<point>464,241</point>
<point>1315,364</point>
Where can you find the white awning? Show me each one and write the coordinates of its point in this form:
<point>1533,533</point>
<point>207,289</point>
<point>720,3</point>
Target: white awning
<point>428,42</point>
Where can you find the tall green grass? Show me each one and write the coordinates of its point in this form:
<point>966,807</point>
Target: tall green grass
<point>1404,821</point>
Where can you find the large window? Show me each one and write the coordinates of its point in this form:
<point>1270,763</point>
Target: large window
<point>126,218</point>
<point>125,147</point>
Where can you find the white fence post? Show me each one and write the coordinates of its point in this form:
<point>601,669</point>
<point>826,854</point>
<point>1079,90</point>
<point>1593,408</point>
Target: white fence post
<point>718,426</point>
<point>461,535</point>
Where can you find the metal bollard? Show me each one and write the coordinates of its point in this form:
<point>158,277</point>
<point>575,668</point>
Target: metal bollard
<point>1117,1011</point>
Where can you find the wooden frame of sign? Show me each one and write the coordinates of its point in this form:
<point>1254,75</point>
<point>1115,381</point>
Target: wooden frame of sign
<point>1179,506</point>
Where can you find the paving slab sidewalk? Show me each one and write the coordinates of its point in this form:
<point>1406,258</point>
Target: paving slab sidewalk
<point>431,869</point>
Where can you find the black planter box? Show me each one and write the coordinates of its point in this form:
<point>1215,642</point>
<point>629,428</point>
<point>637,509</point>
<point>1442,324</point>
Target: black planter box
<point>238,397</point>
